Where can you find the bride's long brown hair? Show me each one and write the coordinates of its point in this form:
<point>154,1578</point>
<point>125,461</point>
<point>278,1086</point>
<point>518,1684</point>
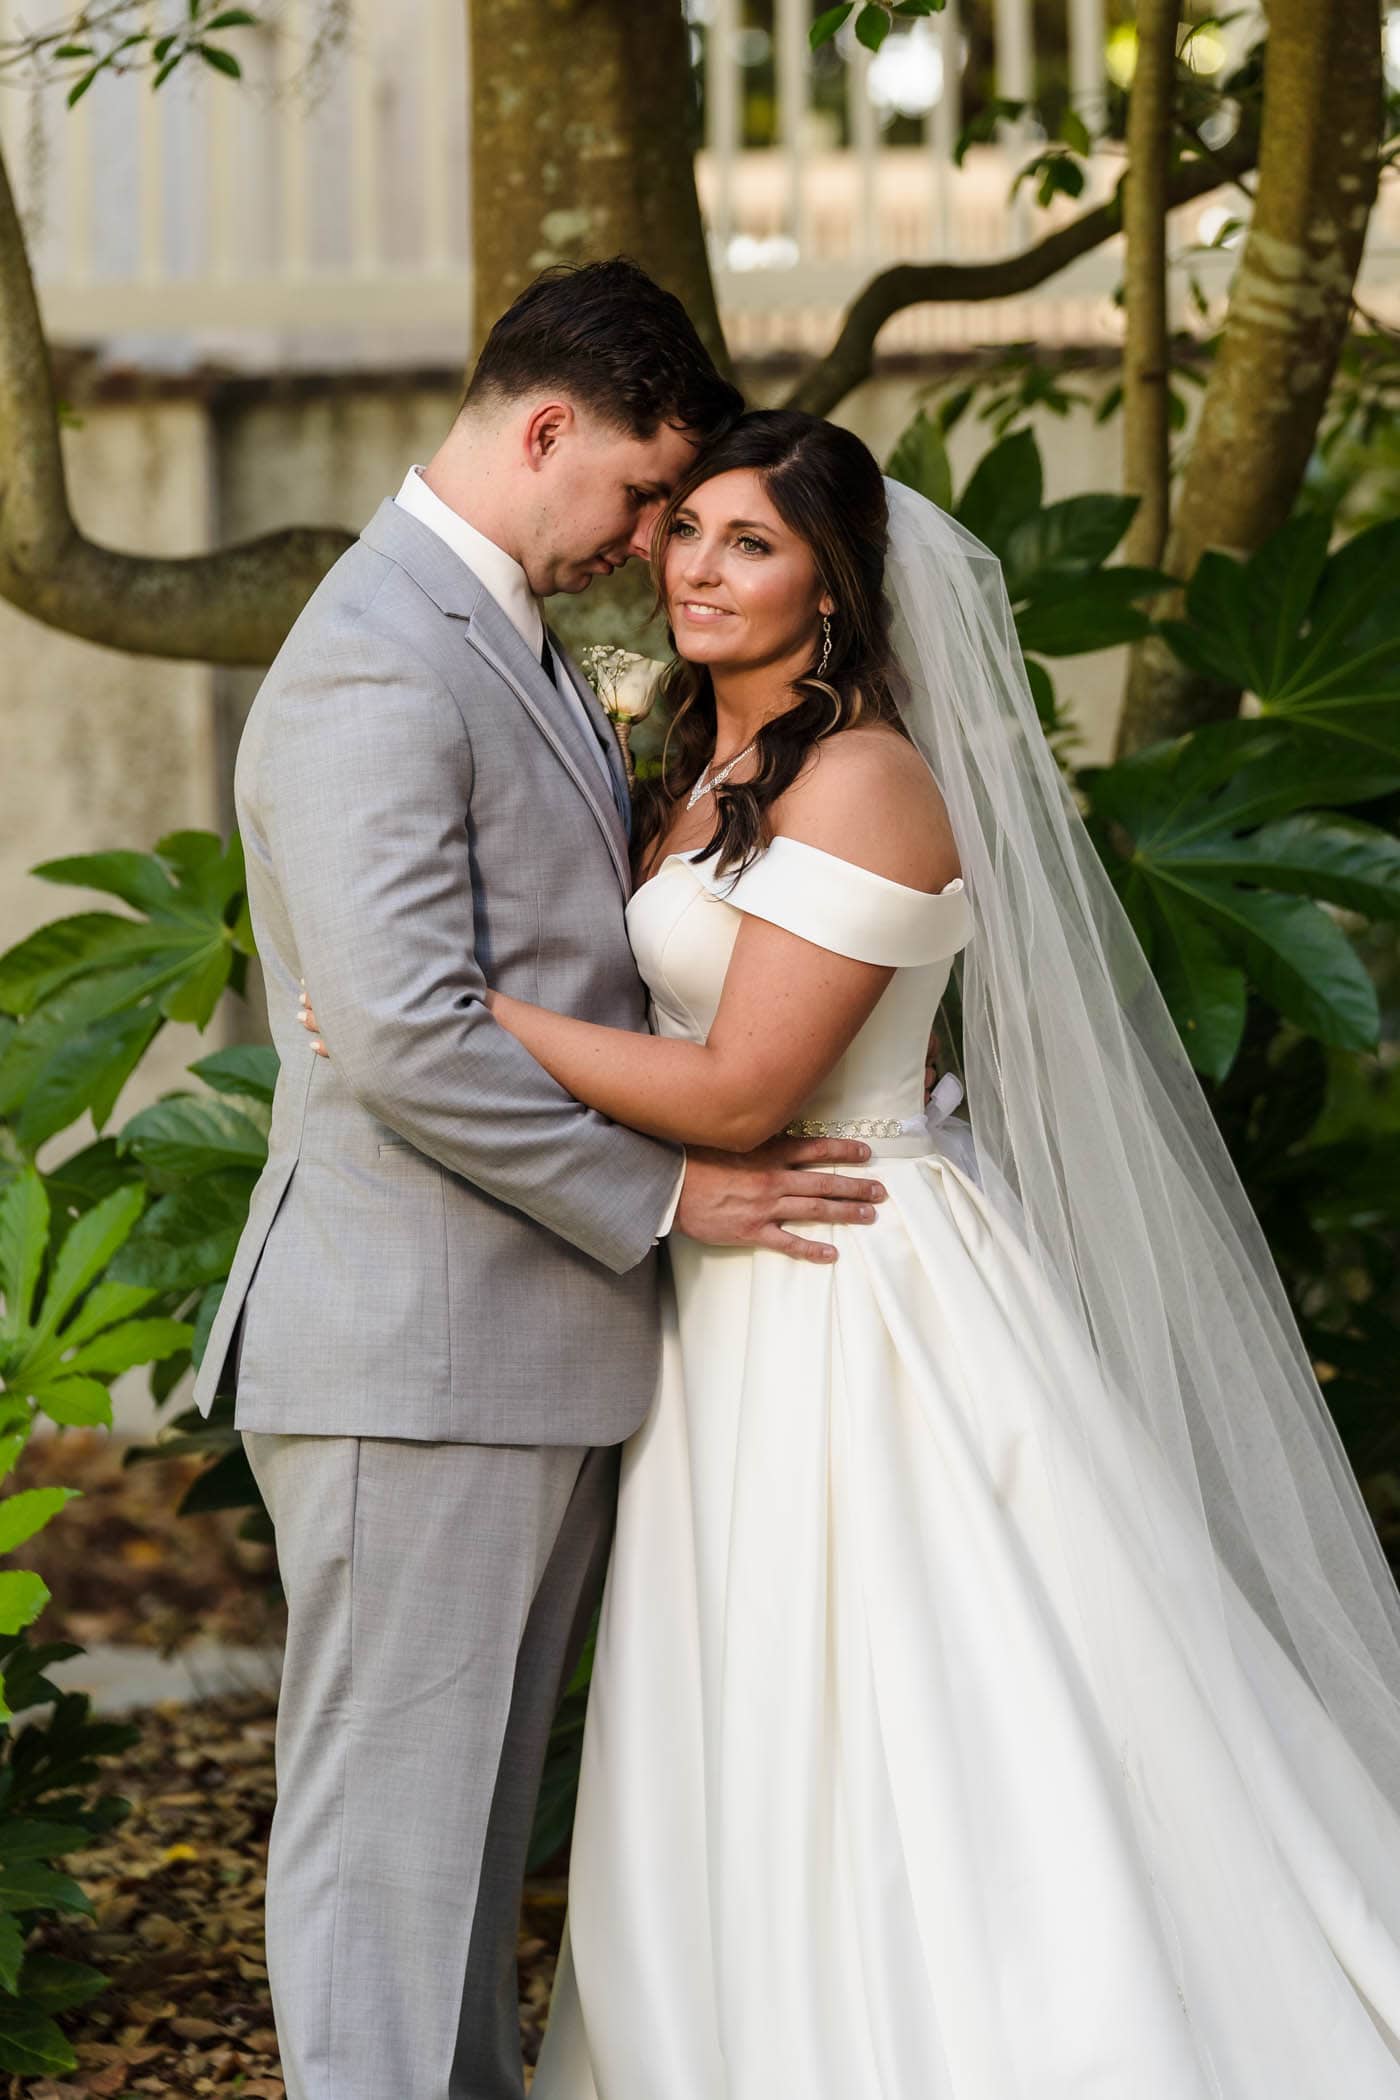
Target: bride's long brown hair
<point>828,489</point>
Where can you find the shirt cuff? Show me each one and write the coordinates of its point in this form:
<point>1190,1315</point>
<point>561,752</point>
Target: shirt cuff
<point>668,1217</point>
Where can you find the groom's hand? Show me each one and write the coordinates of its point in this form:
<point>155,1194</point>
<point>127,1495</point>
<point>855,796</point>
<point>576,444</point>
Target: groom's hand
<point>745,1199</point>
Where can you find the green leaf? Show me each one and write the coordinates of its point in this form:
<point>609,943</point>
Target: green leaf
<point>34,969</point>
<point>29,1885</point>
<point>195,997</point>
<point>21,1515</point>
<point>183,1136</point>
<point>78,1403</point>
<point>24,1233</point>
<point>189,1238</point>
<point>137,878</point>
<point>56,1985</point>
<point>1080,613</point>
<point>1302,963</point>
<point>86,1252</point>
<point>873,25</point>
<point>204,1320</point>
<point>1205,992</point>
<point>11,1955</point>
<point>1339,859</point>
<point>31,2046</point>
<point>231,18</point>
<point>105,1305</point>
<point>1005,489</point>
<point>221,61</point>
<point>1065,539</point>
<point>227,1484</point>
<point>21,1838</point>
<point>249,1069</point>
<point>10,1449</point>
<point>23,1596</point>
<point>86,1074</point>
<point>920,461</point>
<point>75,96</point>
<point>123,1348</point>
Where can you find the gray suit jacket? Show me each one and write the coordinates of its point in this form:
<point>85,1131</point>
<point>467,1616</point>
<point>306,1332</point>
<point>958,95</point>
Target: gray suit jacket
<point>444,1244</point>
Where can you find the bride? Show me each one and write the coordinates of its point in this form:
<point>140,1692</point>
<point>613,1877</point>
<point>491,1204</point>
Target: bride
<point>997,1692</point>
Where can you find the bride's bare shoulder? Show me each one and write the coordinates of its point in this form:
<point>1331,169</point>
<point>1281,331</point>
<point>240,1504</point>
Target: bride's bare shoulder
<point>867,796</point>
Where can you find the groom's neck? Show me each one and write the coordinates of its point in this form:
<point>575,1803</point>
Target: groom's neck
<point>470,474</point>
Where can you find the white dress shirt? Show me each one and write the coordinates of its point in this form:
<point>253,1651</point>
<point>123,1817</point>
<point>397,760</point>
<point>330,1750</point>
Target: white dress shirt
<point>504,579</point>
<point>510,587</point>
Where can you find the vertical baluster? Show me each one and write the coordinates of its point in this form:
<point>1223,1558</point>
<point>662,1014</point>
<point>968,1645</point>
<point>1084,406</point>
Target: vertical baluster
<point>292,263</point>
<point>1087,86</point>
<point>791,23</point>
<point>1015,79</point>
<point>722,113</point>
<point>942,126</point>
<point>865,137</point>
<point>364,143</point>
<point>150,139</point>
<point>223,182</point>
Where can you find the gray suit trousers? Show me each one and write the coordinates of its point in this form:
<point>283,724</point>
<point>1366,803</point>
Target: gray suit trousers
<point>438,1596</point>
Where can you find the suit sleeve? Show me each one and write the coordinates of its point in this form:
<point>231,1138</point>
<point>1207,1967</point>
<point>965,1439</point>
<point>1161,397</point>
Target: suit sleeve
<point>363,808</point>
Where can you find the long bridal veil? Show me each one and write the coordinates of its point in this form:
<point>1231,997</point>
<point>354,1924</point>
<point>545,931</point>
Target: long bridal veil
<point>1215,1450</point>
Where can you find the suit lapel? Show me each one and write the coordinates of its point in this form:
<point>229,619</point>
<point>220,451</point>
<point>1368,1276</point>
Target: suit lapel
<point>494,638</point>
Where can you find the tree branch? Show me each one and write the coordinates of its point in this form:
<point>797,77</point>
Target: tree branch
<point>852,356</point>
<point>1146,398</point>
<point>231,607</point>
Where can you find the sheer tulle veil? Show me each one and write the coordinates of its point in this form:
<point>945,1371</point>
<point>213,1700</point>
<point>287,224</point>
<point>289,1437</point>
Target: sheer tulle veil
<point>1095,1142</point>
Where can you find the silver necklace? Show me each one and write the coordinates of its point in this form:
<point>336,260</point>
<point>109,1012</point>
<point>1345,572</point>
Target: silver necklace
<point>709,781</point>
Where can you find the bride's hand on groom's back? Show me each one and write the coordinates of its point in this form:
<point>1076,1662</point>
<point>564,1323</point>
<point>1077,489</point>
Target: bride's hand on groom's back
<point>748,1199</point>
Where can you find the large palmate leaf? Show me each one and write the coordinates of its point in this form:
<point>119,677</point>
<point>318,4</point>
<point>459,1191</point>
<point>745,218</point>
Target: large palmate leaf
<point>1064,600</point>
<point>90,992</point>
<point>1313,635</point>
<point>1224,867</point>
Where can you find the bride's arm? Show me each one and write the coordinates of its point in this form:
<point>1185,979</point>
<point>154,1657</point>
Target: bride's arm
<point>788,1012</point>
<point>789,1009</point>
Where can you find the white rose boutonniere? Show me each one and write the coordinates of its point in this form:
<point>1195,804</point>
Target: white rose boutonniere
<point>626,684</point>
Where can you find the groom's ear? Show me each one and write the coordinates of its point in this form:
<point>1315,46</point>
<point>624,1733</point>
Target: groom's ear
<point>547,423</point>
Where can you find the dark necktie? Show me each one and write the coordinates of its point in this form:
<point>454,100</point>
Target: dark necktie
<point>547,658</point>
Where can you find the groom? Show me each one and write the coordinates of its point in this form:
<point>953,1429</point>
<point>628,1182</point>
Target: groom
<point>442,1319</point>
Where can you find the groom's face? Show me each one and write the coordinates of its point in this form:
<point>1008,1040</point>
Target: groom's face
<point>599,492</point>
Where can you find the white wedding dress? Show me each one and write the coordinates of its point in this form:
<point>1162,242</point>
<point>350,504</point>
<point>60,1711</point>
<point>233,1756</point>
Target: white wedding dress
<point>854,1823</point>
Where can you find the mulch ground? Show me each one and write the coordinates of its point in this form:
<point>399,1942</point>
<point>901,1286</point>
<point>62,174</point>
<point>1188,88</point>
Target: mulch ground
<point>178,1892</point>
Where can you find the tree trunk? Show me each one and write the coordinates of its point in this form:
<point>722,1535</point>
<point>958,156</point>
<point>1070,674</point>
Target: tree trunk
<point>1146,195</point>
<point>583,139</point>
<point>1287,320</point>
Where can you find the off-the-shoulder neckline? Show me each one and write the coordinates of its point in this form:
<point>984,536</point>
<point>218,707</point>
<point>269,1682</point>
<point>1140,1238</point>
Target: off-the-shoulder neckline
<point>949,889</point>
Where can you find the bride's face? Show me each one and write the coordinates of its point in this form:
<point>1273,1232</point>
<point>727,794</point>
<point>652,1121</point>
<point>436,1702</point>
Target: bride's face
<point>742,589</point>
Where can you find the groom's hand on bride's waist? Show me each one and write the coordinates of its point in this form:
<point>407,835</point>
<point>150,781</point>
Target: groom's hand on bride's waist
<point>749,1199</point>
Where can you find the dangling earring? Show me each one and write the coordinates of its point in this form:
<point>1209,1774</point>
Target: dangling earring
<point>826,646</point>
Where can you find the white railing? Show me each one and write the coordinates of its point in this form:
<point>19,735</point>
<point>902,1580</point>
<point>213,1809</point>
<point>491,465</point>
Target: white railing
<point>324,220</point>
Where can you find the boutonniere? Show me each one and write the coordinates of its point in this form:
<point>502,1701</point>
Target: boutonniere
<point>626,684</point>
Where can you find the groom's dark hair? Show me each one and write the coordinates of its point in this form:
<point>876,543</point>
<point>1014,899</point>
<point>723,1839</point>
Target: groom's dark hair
<point>607,335</point>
